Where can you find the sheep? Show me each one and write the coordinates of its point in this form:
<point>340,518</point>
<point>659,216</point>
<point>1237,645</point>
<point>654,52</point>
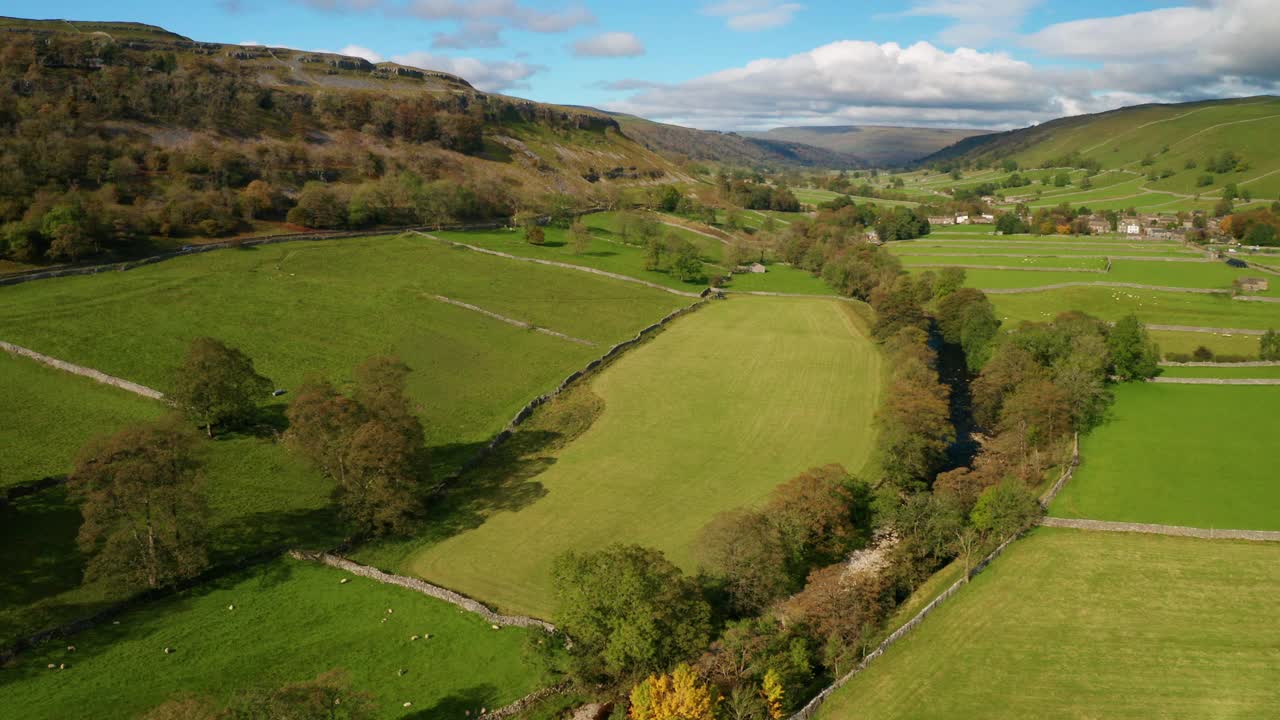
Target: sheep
<point>495,627</point>
<point>344,581</point>
<point>407,704</point>
<point>413,637</point>
<point>168,650</point>
<point>401,672</point>
<point>231,607</point>
<point>71,648</point>
<point>62,666</point>
<point>52,666</point>
<point>389,611</point>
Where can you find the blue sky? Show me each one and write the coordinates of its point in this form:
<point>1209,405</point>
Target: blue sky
<point>761,63</point>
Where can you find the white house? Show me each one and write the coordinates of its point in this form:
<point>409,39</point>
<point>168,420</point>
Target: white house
<point>1131,227</point>
<point>962,219</point>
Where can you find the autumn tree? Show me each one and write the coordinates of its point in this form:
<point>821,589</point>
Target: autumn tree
<point>143,506</point>
<point>628,610</point>
<point>745,548</point>
<point>370,444</point>
<point>217,385</point>
<point>915,418</point>
<point>1035,415</point>
<point>819,515</point>
<point>772,692</point>
<point>679,695</point>
<point>579,237</point>
<point>1133,354</point>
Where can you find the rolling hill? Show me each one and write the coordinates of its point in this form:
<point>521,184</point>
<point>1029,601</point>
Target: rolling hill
<point>1186,148</point>
<point>734,148</point>
<point>880,146</point>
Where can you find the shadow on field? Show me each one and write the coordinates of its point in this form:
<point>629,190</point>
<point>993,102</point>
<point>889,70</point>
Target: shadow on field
<point>282,529</point>
<point>461,704</point>
<point>38,547</point>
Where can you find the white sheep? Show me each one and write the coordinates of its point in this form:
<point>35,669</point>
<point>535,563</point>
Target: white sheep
<point>407,704</point>
<point>71,648</point>
<point>495,627</point>
<point>168,650</point>
<point>413,637</point>
<point>231,607</point>
<point>344,581</point>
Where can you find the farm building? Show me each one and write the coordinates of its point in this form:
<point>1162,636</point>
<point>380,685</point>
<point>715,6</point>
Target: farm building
<point>1253,284</point>
<point>757,268</point>
<point>942,220</point>
<point>1131,227</point>
<point>1099,226</point>
<point>962,219</point>
<point>1159,232</point>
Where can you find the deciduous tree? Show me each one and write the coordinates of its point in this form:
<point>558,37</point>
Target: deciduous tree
<point>217,385</point>
<point>679,695</point>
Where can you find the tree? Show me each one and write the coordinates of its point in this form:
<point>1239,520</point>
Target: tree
<point>687,265</point>
<point>144,510</point>
<point>772,692</point>
<point>579,237</point>
<point>1270,346</point>
<point>1005,509</point>
<point>319,206</point>
<point>534,234</point>
<point>949,280</point>
<point>628,609</point>
<point>1133,354</point>
<point>816,515</point>
<point>745,548</point>
<point>371,445</point>
<point>217,385</point>
<point>677,696</point>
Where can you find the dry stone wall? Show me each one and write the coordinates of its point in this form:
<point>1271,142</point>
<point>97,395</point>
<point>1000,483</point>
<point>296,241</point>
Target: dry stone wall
<point>1178,530</point>
<point>90,373</point>
<point>526,702</point>
<point>424,587</point>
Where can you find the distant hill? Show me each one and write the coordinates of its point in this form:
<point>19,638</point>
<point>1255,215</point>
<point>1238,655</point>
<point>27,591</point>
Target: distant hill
<point>1194,147</point>
<point>878,145</point>
<point>733,148</point>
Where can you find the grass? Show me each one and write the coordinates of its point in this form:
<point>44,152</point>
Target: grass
<point>1187,342</point>
<point>1180,455</point>
<point>1212,276</point>
<point>321,308</point>
<point>710,415</point>
<point>781,278</point>
<point>1151,306</point>
<point>291,622</point>
<point>49,414</point>
<point>997,262</point>
<point>1070,624</point>
<point>1266,371</point>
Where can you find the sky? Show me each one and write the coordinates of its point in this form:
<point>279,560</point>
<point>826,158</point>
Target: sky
<point>757,64</point>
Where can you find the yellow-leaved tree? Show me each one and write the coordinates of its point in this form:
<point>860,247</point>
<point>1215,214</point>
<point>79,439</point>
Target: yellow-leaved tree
<point>677,696</point>
<point>771,691</point>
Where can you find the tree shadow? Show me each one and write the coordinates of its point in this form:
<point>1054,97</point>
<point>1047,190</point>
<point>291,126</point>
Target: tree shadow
<point>601,253</point>
<point>275,530</point>
<point>461,704</point>
<point>38,550</point>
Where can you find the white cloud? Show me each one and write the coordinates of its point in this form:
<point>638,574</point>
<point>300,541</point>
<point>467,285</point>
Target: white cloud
<point>753,15</point>
<point>361,52</point>
<point>977,22</point>
<point>858,81</point>
<point>490,76</point>
<point>470,34</point>
<point>610,44</point>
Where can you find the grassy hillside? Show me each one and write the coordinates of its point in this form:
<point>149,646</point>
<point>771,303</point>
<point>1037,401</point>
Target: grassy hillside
<point>291,621</point>
<point>715,412</point>
<point>880,146</point>
<point>1179,139</point>
<point>730,148</point>
<point>1072,624</point>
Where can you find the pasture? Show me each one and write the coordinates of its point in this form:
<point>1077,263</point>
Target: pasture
<point>291,622</point>
<point>1071,624</point>
<point>1180,455</point>
<point>711,414</point>
<point>320,308</point>
<point>48,415</point>
<point>1151,306</point>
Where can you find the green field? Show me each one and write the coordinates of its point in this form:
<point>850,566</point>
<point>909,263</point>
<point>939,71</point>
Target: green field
<point>1266,371</point>
<point>1151,306</point>
<point>712,414</point>
<point>291,622</point>
<point>300,309</point>
<point>1070,624</point>
<point>1180,455</point>
<point>48,415</point>
<point>1187,342</point>
<point>1012,263</point>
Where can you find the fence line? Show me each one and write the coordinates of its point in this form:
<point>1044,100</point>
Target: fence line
<point>512,321</point>
<point>1067,473</point>
<point>555,263</point>
<point>424,587</point>
<point>811,708</point>
<point>1153,529</point>
<point>90,373</point>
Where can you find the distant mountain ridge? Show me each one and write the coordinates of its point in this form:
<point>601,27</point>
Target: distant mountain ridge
<point>732,148</point>
<point>878,145</point>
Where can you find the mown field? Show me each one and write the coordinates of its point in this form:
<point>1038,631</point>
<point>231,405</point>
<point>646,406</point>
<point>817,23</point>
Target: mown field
<point>48,415</point>
<point>321,308</point>
<point>1151,306</point>
<point>1181,455</point>
<point>1070,624</point>
<point>710,415</point>
<point>291,622</point>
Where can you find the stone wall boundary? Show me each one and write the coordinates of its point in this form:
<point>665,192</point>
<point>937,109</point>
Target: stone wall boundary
<point>1213,381</point>
<point>90,373</point>
<point>525,702</point>
<point>514,322</point>
<point>1152,529</point>
<point>811,708</point>
<point>424,587</point>
<point>525,412</point>
<point>1067,473</point>
<point>1244,363</point>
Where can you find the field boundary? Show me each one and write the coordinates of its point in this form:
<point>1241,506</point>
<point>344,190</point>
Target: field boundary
<point>811,708</point>
<point>1153,529</point>
<point>1103,283</point>
<point>1068,472</point>
<point>556,263</point>
<point>523,703</point>
<point>1029,268</point>
<point>1214,381</point>
<point>83,371</point>
<point>422,586</point>
<point>1243,363</point>
<point>512,321</point>
<point>1210,330</point>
